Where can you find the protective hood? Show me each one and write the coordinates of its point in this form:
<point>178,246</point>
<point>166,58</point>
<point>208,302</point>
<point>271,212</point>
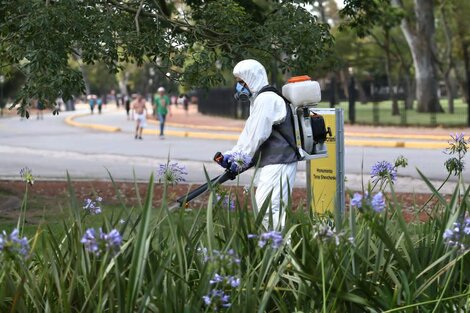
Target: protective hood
<point>252,73</point>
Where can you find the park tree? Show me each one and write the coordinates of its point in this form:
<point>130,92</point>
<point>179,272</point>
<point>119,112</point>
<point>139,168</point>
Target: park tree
<point>446,59</point>
<point>460,12</point>
<point>192,40</point>
<point>383,37</point>
<point>418,28</point>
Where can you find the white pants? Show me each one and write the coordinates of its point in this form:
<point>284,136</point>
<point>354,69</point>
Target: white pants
<point>272,178</point>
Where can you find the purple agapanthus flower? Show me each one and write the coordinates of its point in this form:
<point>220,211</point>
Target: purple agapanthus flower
<point>92,207</point>
<point>459,235</point>
<point>356,200</point>
<point>458,146</point>
<point>27,175</point>
<point>217,279</point>
<point>231,281</point>
<point>240,161</point>
<point>378,202</point>
<point>90,241</point>
<point>224,258</point>
<point>458,139</point>
<point>363,202</point>
<point>13,244</point>
<point>217,299</point>
<point>227,202</point>
<point>112,240</point>
<point>382,170</point>
<point>274,238</point>
<point>99,242</point>
<point>172,173</point>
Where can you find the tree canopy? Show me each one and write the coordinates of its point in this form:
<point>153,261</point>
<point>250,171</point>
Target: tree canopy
<point>190,40</point>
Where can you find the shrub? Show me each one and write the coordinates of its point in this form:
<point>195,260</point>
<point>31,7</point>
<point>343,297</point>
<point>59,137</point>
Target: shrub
<point>220,259</point>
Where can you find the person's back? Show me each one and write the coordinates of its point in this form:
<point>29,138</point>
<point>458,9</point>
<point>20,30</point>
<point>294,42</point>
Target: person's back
<point>162,103</point>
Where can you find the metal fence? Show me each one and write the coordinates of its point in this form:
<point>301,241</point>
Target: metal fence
<point>220,102</point>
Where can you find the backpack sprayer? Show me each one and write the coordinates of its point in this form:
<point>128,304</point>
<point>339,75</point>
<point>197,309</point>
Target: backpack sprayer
<point>311,133</point>
<point>302,96</point>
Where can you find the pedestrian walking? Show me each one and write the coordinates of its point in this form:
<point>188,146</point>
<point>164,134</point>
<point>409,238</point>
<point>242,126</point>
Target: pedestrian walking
<point>99,103</point>
<point>162,108</point>
<point>127,104</point>
<point>40,110</point>
<point>91,102</point>
<point>185,102</point>
<point>139,111</point>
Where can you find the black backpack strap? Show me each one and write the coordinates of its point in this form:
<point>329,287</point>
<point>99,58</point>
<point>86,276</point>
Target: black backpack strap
<point>273,89</point>
<point>285,136</point>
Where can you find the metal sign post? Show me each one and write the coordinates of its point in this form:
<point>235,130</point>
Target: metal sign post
<point>325,176</point>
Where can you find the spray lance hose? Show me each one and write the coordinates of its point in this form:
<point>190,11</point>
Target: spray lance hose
<point>183,201</point>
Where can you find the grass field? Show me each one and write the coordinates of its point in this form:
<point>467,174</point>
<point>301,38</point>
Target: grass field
<point>365,115</point>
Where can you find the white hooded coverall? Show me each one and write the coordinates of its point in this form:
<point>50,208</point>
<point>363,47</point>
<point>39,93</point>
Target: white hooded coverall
<point>266,110</point>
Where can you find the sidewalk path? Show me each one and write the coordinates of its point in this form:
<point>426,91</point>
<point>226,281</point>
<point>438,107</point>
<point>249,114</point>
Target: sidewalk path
<point>194,124</point>
<point>51,147</point>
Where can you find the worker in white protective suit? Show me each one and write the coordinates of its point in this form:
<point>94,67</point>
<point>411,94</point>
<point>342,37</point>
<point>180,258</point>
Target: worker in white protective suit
<point>268,137</point>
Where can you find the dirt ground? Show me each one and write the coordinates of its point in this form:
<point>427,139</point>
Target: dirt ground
<point>51,196</point>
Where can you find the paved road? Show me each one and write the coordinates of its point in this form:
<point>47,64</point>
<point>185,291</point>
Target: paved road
<point>50,148</point>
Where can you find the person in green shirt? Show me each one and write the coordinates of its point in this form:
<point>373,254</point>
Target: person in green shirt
<point>162,108</point>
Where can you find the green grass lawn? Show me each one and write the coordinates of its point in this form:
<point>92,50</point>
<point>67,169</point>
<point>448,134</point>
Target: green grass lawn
<point>365,115</point>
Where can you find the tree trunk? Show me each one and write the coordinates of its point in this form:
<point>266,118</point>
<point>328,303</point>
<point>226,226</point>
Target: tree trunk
<point>448,64</point>
<point>123,80</point>
<point>466,58</point>
<point>462,82</point>
<point>388,61</point>
<point>420,39</point>
<point>344,76</point>
<point>464,44</point>
<point>408,90</point>
<point>321,8</point>
<point>361,92</point>
<point>449,90</point>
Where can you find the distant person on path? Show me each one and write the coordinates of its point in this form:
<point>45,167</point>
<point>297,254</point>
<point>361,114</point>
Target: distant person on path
<point>126,101</point>
<point>91,102</point>
<point>2,106</point>
<point>185,101</point>
<point>139,110</point>
<point>40,110</point>
<point>99,102</point>
<point>162,108</point>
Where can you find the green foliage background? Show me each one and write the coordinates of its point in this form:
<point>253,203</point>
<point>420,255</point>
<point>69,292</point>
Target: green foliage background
<point>192,40</point>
